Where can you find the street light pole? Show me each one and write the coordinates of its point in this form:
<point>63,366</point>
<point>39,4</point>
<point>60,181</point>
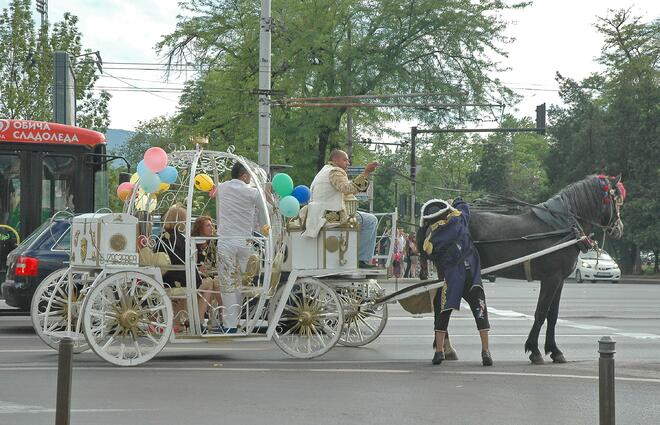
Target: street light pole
<point>413,172</point>
<point>264,86</point>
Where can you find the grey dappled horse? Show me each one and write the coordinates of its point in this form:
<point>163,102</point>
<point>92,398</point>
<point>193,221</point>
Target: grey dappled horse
<point>593,202</point>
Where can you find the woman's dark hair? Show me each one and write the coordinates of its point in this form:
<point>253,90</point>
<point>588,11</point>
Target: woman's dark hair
<point>237,170</point>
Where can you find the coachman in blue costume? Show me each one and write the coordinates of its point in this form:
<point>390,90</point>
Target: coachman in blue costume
<point>445,240</point>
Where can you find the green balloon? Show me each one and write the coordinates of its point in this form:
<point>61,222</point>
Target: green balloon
<point>289,206</point>
<point>282,184</point>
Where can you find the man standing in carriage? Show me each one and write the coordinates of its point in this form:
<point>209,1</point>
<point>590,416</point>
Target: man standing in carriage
<point>330,188</point>
<point>448,244</point>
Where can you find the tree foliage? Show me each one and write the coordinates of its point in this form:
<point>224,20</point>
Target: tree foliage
<point>610,125</point>
<point>512,163</point>
<point>332,48</point>
<point>26,68</point>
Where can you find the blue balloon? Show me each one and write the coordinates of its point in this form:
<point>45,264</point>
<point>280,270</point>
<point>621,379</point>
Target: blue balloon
<point>150,182</point>
<point>142,169</point>
<point>301,193</point>
<point>289,206</point>
<point>168,175</point>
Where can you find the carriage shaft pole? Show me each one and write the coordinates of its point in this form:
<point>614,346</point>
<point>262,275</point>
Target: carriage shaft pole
<point>606,381</point>
<point>64,372</point>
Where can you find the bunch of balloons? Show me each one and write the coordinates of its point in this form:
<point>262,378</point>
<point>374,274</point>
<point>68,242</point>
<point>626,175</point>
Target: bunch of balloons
<point>290,197</point>
<point>153,175</point>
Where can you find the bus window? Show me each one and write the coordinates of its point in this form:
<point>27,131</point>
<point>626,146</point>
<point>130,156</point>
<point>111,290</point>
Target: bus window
<point>10,190</point>
<point>57,185</point>
<point>101,189</point>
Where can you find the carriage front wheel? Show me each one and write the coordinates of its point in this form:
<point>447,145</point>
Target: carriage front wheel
<point>54,315</point>
<point>363,322</point>
<point>127,318</point>
<point>311,321</point>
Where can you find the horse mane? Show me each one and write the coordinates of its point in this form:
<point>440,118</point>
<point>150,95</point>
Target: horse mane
<point>582,198</point>
<point>579,199</point>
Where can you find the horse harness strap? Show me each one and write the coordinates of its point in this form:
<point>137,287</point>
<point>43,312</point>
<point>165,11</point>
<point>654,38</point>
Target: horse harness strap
<point>534,236</point>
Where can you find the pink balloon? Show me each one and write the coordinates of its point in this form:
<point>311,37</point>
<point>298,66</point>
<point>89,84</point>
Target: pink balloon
<point>155,159</point>
<point>124,190</point>
<point>213,192</point>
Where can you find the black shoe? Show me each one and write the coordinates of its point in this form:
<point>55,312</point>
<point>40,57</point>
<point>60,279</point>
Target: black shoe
<point>363,265</point>
<point>486,359</point>
<point>438,357</point>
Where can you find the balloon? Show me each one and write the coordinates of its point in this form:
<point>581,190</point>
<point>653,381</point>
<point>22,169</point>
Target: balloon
<point>289,206</point>
<point>301,193</point>
<point>145,202</point>
<point>150,182</point>
<point>168,174</point>
<point>155,159</point>
<point>203,182</point>
<point>135,178</point>
<point>124,190</point>
<point>142,168</point>
<point>163,187</point>
<point>213,192</point>
<point>282,184</point>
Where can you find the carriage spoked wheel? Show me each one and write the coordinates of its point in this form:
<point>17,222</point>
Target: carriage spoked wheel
<point>50,308</point>
<point>311,321</point>
<point>363,323</point>
<point>127,318</point>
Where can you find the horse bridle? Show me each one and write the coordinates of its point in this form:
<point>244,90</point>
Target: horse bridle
<point>616,202</point>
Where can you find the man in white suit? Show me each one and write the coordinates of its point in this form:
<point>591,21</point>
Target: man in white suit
<point>330,188</point>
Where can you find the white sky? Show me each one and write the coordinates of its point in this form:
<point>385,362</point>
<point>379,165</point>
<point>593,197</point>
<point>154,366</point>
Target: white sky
<point>551,36</point>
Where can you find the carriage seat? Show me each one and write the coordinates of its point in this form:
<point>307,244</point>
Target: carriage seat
<point>335,247</point>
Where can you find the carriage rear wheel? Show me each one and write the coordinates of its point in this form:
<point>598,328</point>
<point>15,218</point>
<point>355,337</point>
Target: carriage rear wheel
<point>127,318</point>
<point>363,323</point>
<point>50,309</point>
<point>311,321</point>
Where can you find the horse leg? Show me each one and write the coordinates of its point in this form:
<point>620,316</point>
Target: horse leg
<point>546,297</point>
<point>450,353</point>
<point>550,343</point>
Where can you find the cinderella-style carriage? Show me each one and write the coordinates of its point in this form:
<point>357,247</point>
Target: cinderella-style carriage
<point>307,294</point>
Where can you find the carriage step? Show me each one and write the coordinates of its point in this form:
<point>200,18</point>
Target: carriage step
<point>75,336</point>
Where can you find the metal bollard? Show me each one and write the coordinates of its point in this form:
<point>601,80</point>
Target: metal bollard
<point>64,369</point>
<point>606,380</point>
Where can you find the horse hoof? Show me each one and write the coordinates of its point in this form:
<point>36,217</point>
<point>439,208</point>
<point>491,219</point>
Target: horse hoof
<point>536,358</point>
<point>451,355</point>
<point>559,358</point>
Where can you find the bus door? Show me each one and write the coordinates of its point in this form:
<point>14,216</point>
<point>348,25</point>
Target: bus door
<point>10,203</point>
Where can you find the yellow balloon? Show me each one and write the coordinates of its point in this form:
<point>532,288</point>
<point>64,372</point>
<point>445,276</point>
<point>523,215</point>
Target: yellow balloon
<point>203,182</point>
<point>134,178</point>
<point>163,187</point>
<point>145,203</point>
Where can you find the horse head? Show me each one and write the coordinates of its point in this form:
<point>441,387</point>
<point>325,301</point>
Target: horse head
<point>613,195</point>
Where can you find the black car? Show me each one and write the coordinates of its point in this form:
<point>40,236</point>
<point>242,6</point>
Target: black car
<point>43,252</point>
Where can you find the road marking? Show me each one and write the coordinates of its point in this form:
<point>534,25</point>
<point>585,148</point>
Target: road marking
<point>575,325</point>
<point>220,368</point>
<point>7,407</point>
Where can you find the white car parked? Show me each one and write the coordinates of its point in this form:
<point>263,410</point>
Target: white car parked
<point>596,265</point>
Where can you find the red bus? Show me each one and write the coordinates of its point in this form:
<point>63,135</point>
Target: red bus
<point>45,168</point>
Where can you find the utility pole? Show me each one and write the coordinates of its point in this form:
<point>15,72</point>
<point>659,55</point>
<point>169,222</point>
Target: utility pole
<point>42,8</point>
<point>349,116</point>
<point>64,89</point>
<point>413,172</point>
<point>264,86</point>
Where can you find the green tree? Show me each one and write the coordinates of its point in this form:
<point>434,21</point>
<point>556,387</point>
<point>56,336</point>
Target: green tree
<point>610,124</point>
<point>513,163</point>
<point>332,48</point>
<point>158,131</point>
<point>26,68</point>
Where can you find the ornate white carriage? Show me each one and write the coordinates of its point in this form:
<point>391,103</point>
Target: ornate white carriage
<point>305,293</point>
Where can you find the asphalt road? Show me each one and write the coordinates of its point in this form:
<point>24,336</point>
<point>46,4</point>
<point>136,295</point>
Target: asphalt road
<point>391,381</point>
